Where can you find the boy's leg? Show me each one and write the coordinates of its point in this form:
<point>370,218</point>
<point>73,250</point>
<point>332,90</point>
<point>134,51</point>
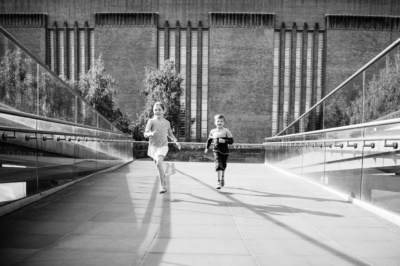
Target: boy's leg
<point>224,160</point>
<point>160,168</point>
<point>218,179</point>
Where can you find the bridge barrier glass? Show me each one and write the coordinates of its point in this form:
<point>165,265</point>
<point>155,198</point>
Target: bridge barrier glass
<point>49,136</point>
<point>370,94</point>
<point>361,161</point>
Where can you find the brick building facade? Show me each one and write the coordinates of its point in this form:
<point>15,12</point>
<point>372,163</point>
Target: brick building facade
<point>261,63</point>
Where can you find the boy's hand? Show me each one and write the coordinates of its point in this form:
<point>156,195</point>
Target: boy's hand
<point>179,145</point>
<point>221,140</point>
<point>206,150</point>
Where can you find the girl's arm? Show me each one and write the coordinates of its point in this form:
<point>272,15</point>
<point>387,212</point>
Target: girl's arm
<point>172,137</point>
<point>147,132</point>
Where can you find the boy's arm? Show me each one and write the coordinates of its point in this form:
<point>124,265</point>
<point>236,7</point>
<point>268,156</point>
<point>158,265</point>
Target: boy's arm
<point>229,139</point>
<point>209,140</point>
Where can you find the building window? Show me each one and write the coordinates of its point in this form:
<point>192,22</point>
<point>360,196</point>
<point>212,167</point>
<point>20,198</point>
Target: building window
<point>195,63</point>
<point>298,58</point>
<point>80,52</point>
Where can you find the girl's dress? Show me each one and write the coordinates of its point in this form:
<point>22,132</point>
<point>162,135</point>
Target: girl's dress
<point>158,143</point>
<point>221,150</point>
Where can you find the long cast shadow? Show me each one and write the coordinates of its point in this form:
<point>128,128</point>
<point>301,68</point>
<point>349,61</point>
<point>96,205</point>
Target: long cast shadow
<point>317,243</point>
<point>271,209</point>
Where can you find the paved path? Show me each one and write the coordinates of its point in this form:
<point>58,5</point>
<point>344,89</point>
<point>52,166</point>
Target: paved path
<point>261,217</point>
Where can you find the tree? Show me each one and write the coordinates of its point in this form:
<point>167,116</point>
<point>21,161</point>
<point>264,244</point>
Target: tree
<point>99,88</point>
<point>18,87</point>
<point>164,85</point>
<point>382,94</point>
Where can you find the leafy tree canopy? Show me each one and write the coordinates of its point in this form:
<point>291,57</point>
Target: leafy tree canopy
<point>164,85</point>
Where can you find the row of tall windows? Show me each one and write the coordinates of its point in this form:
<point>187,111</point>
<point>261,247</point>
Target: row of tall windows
<point>296,64</point>
<point>71,54</point>
<point>198,106</point>
<point>297,70</point>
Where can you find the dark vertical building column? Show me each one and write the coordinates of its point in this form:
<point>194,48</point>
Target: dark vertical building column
<point>166,41</point>
<point>178,47</point>
<point>314,78</point>
<point>188,78</point>
<point>182,117</point>
<point>87,47</point>
<point>323,77</point>
<point>281,76</point>
<point>293,50</point>
<point>55,49</point>
<point>77,50</point>
<point>304,70</point>
<point>66,50</point>
<point>199,80</point>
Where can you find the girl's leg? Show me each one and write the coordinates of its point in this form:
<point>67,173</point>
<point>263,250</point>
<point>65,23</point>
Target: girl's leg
<point>160,168</point>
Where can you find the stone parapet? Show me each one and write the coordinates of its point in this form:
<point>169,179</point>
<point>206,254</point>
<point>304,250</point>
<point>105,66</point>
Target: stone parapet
<point>242,20</point>
<point>23,20</point>
<point>126,19</point>
<point>356,22</point>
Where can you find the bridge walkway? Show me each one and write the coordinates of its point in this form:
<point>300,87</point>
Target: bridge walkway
<point>261,217</point>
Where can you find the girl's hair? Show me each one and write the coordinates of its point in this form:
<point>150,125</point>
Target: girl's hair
<point>160,104</point>
<point>219,116</point>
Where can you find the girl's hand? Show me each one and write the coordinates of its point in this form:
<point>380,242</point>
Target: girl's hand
<point>179,145</point>
<point>220,140</point>
<point>206,150</point>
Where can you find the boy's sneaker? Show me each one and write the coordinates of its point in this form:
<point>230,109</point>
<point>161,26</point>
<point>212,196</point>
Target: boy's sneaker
<point>218,185</point>
<point>222,182</point>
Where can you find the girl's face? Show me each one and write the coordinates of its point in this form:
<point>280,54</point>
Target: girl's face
<point>219,122</point>
<point>158,111</point>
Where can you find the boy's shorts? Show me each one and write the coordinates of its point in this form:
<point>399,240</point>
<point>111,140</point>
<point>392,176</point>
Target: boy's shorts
<point>220,161</point>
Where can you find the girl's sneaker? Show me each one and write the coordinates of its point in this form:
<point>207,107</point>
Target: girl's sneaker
<point>218,185</point>
<point>222,182</point>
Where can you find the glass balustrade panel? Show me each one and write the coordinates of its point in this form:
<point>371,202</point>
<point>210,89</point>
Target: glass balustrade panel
<point>18,166</point>
<point>381,170</point>
<point>55,99</point>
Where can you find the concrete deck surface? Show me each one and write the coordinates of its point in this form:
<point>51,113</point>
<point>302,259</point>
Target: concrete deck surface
<point>261,217</point>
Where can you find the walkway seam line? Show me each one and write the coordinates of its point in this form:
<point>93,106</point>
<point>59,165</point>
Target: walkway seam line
<point>312,226</point>
<point>154,237</point>
<point>240,231</point>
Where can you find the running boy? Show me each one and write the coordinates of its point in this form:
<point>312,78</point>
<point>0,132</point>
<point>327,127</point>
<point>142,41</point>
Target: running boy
<point>220,137</point>
<point>157,129</point>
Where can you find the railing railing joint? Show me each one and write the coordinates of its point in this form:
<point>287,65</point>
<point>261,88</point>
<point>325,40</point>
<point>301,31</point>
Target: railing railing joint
<point>6,136</point>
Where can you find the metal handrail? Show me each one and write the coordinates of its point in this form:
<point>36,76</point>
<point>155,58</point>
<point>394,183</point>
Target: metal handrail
<point>339,142</point>
<point>53,133</point>
<point>38,61</point>
<point>62,122</point>
<point>368,124</point>
<point>376,58</point>
<point>203,143</point>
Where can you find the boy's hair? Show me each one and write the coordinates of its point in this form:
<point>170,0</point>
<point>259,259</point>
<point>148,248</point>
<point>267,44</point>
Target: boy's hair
<point>219,116</point>
<point>160,104</point>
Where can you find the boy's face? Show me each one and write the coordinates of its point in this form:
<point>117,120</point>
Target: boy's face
<point>219,122</point>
